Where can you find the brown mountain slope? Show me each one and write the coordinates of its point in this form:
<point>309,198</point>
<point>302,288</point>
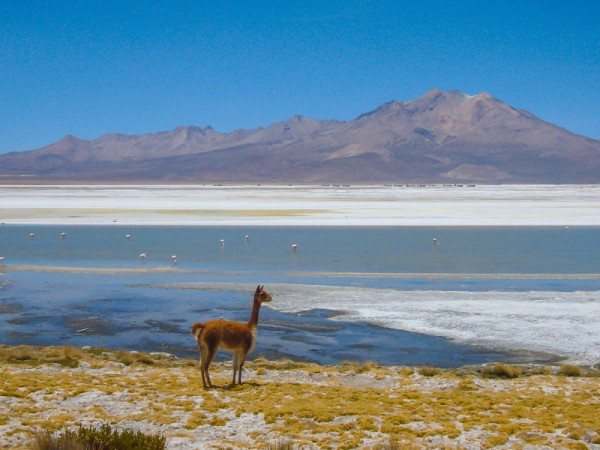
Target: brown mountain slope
<point>438,138</point>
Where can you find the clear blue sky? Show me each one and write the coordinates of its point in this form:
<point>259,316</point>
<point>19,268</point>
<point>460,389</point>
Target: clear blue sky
<point>88,68</point>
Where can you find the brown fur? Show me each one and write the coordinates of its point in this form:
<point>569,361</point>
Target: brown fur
<point>236,337</point>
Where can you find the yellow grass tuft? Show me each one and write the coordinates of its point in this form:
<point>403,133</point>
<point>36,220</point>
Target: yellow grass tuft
<point>282,444</point>
<point>570,371</point>
<point>502,371</point>
<point>428,371</point>
<point>129,358</point>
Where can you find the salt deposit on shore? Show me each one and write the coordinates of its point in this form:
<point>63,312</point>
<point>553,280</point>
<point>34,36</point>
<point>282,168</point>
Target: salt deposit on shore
<point>300,205</point>
<point>560,323</point>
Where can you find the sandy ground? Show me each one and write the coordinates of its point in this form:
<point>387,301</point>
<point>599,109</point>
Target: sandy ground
<point>562,205</point>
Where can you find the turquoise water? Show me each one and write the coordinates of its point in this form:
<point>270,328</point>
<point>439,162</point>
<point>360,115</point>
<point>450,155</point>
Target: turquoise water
<point>370,249</point>
<point>121,309</point>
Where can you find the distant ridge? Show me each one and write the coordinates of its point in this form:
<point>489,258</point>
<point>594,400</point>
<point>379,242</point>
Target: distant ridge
<point>441,137</point>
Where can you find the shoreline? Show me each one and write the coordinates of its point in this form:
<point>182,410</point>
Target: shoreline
<point>400,275</point>
<point>529,325</point>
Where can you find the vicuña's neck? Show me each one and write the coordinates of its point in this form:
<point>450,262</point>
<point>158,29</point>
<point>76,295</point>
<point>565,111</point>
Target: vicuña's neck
<point>253,322</point>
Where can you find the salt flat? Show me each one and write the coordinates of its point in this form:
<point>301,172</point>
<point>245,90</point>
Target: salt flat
<point>553,205</point>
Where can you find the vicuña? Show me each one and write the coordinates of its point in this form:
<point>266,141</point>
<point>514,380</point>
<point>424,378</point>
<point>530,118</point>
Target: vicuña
<point>236,337</point>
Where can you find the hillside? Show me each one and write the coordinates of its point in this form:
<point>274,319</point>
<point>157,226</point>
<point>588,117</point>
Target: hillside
<point>441,137</point>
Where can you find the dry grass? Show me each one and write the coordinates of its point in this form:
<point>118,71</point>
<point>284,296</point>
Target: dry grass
<point>570,371</point>
<point>297,405</point>
<point>44,440</point>
<point>65,356</point>
<point>69,356</point>
<point>502,371</point>
<point>282,444</point>
<point>428,371</point>
<point>391,444</point>
<point>96,438</point>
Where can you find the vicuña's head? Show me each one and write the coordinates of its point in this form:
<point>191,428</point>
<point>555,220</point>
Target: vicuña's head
<point>261,295</point>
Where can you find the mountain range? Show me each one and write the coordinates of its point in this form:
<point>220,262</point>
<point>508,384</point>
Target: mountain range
<point>441,137</point>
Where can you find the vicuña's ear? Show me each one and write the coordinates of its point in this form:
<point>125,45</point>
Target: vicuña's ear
<point>257,289</point>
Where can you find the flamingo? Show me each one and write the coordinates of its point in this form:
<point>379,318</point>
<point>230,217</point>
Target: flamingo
<point>63,235</point>
<point>247,238</point>
<point>2,259</point>
<point>143,256</point>
<point>222,242</point>
<point>295,247</point>
<point>128,236</point>
<point>174,259</point>
<point>31,235</point>
<point>435,241</point>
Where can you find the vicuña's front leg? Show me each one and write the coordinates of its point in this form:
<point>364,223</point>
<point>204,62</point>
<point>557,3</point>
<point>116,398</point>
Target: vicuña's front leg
<point>238,361</point>
<point>240,368</point>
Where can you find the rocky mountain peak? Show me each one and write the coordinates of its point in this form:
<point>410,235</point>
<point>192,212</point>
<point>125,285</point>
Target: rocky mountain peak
<point>439,137</point>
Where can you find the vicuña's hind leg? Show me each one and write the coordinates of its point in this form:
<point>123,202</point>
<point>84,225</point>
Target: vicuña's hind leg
<point>208,355</point>
<point>205,360</point>
<point>203,352</point>
<point>239,357</point>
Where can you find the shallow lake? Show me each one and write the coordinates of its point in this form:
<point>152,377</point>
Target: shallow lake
<point>149,305</point>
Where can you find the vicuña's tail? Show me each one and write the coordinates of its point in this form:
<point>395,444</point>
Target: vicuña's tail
<point>197,329</point>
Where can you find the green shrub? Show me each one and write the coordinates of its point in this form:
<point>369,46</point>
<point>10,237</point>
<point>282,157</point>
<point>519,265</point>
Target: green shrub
<point>105,438</point>
<point>102,438</point>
